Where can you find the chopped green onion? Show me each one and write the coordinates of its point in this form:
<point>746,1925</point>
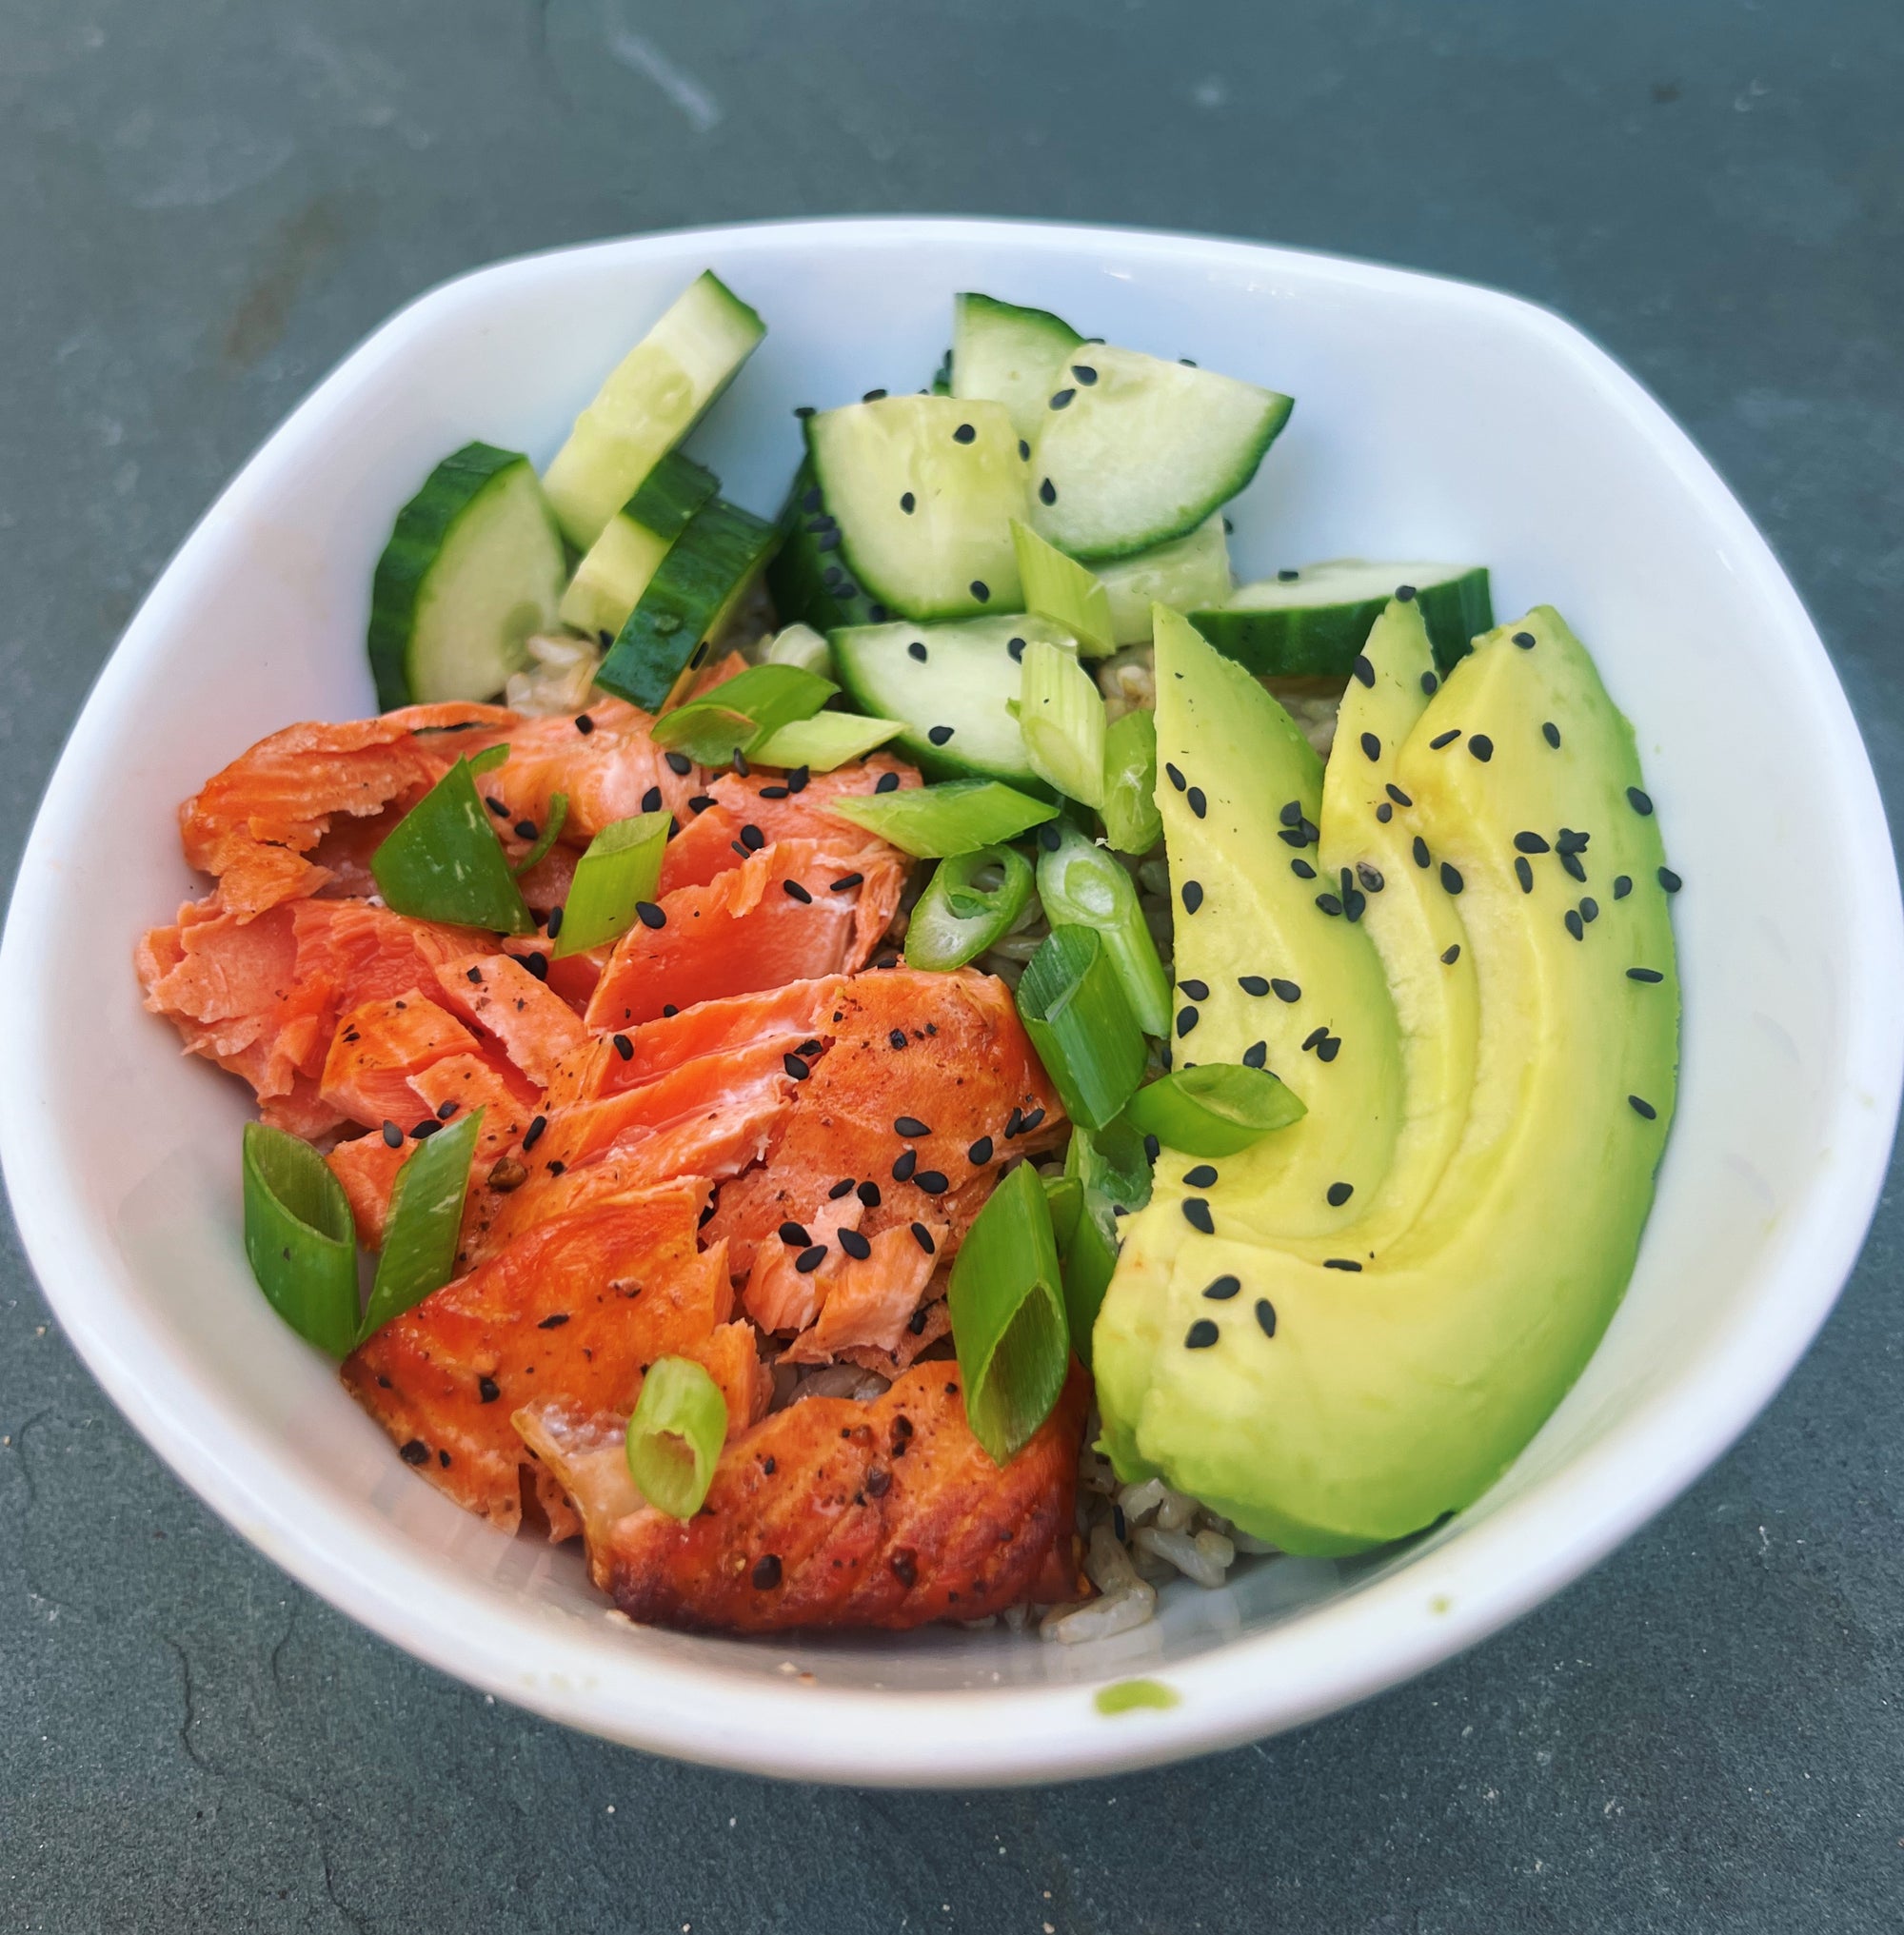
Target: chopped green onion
<point>971,903</point>
<point>1088,1262</point>
<point>802,647</point>
<point>621,869</point>
<point>299,1238</point>
<point>1073,1006</point>
<point>425,1222</point>
<point>826,741</point>
<point>743,712</point>
<point>1083,886</point>
<point>1008,1305</point>
<point>1061,713</point>
<point>1214,1109</point>
<point>676,1434</point>
<point>1064,1200</point>
<point>1062,590</point>
<point>551,832</point>
<point>442,861</point>
<point>1111,1161</point>
<point>931,822</point>
<point>1132,822</point>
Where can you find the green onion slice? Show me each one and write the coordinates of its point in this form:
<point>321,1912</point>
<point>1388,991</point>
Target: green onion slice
<point>621,869</point>
<point>299,1238</point>
<point>676,1434</point>
<point>1082,885</point>
<point>969,904</point>
<point>1111,1161</point>
<point>826,740</point>
<point>1073,1008</point>
<point>932,822</point>
<point>1008,1326</point>
<point>421,1232</point>
<point>801,645</point>
<point>1214,1109</point>
<point>1132,822</point>
<point>1061,715</point>
<point>551,832</point>
<point>1064,590</point>
<point>1065,1202</point>
<point>442,861</point>
<point>743,712</point>
<point>1087,1262</point>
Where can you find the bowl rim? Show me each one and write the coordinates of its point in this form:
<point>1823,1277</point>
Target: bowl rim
<point>1240,1689</point>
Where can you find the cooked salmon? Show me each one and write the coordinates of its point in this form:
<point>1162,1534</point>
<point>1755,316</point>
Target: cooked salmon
<point>835,1514</point>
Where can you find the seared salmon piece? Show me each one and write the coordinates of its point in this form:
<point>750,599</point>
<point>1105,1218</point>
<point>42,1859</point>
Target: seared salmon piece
<point>868,1302</point>
<point>251,824</point>
<point>834,1514</point>
<point>610,769</point>
<point>574,1310</point>
<point>745,931</point>
<point>535,1028</point>
<point>704,845</point>
<point>946,1051</point>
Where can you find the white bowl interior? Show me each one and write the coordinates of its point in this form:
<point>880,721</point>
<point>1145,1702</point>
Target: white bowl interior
<point>1432,421</point>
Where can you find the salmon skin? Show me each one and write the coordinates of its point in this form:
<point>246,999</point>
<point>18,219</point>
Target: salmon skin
<point>835,1514</point>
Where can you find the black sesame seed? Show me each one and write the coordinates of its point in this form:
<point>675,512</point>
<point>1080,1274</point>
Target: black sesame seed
<point>810,1260</point>
<point>917,650</point>
<point>1084,373</point>
<point>1265,1316</point>
<point>679,764</point>
<point>1576,926</point>
<point>1362,669</point>
<point>1405,592</point>
<point>797,777</point>
<point>555,919</point>
<point>1670,881</point>
<point>868,1193</point>
<point>1396,794</point>
<point>739,764</point>
<point>1062,399</point>
<point>752,837</point>
<point>1152,1147</point>
<point>651,799</point>
<point>1524,874</point>
<point>979,1152</point>
<point>424,1129</point>
<point>1223,1289</point>
<point>1327,1050</point>
<point>1014,1124</point>
<point>922,1236</point>
<point>1303,870</point>
<point>1192,895</point>
<point>1481,746</point>
<point>1285,991</point>
<point>842,1188</point>
<point>1644,975</point>
<point>1452,955</point>
<point>415,1453</point>
<point>855,1245</point>
<point>1291,813</point>
<point>649,915</point>
<point>488,1390</point>
<point>964,434</point>
<point>1314,1038</point>
<point>1197,1214</point>
<point>1430,684</point>
<point>767,1572</point>
<point>1024,451</point>
<point>910,1127</point>
<point>1450,877</point>
<point>445,1110</point>
<point>1570,863</point>
<point>896,1038</point>
<point>1250,984</point>
<point>1622,886</point>
<point>932,1181</point>
<point>1201,1336</point>
<point>700,802</point>
<point>1186,1019</point>
<point>1197,991</point>
<point>1175,777</point>
<point>1551,733</point>
<point>981,590</point>
<point>794,1235</point>
<point>533,1135</point>
<point>1195,802</point>
<point>1202,1177</point>
<point>526,829</point>
<point>1340,1263</point>
<point>1371,878</point>
<point>1329,904</point>
<point>845,882</point>
<point>623,1047</point>
<point>1529,842</point>
<point>1590,908</point>
<point>1384,813</point>
<point>537,964</point>
<point>1354,906</point>
<point>1524,639</point>
<point>796,1066</point>
<point>393,1136</point>
<point>1340,1193</point>
<point>1446,739</point>
<point>939,733</point>
<point>1047,492</point>
<point>1287,577</point>
<point>796,892</point>
<point>873,396</point>
<point>1015,650</point>
<point>1292,836</point>
<point>1371,746</point>
<point>1642,1108</point>
<point>1031,1121</point>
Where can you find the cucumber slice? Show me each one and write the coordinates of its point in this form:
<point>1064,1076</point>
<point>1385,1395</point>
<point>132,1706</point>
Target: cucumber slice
<point>1184,574</point>
<point>1064,590</point>
<point>707,571</point>
<point>609,583</point>
<point>1313,621</point>
<point>670,494</point>
<point>653,398</point>
<point>924,489</point>
<point>1134,451</point>
<point>964,677</point>
<point>473,568</point>
<point>808,581</point>
<point>1011,355</point>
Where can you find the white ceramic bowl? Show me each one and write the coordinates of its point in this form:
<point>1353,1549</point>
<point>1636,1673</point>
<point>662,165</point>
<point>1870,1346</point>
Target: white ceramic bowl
<point>1433,420</point>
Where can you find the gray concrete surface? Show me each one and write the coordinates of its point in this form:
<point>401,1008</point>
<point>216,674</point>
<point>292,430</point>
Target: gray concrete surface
<point>203,205</point>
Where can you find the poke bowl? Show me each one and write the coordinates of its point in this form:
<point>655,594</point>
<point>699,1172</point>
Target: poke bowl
<point>1434,420</point>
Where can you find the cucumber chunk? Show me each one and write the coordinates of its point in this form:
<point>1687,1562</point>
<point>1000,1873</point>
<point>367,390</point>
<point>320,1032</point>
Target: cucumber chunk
<point>1315,620</point>
<point>1185,574</point>
<point>707,571</point>
<point>966,677</point>
<point>1134,451</point>
<point>473,568</point>
<point>1008,354</point>
<point>922,490</point>
<point>609,583</point>
<point>809,583</point>
<point>652,398</point>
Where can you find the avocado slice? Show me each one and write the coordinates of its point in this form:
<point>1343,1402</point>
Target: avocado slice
<point>1354,1397</point>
